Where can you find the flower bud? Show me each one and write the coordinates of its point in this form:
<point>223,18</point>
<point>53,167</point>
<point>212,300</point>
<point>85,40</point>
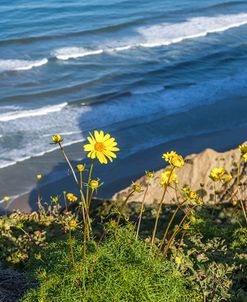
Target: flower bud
<point>94,184</point>
<point>57,138</point>
<point>192,219</point>
<point>39,177</point>
<point>80,167</point>
<point>178,260</point>
<point>72,224</point>
<point>149,174</point>
<point>136,188</point>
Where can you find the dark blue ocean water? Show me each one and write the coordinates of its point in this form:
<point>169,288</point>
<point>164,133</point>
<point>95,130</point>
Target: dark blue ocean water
<point>148,71</point>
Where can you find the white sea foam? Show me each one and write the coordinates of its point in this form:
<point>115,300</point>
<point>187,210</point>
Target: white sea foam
<point>163,35</point>
<point>74,52</point>
<point>166,34</point>
<point>13,115</point>
<point>6,163</point>
<point>15,65</point>
<point>56,148</point>
<point>120,48</point>
<point>63,133</point>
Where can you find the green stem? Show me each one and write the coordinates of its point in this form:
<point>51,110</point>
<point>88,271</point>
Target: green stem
<point>68,162</point>
<point>160,207</point>
<point>75,178</point>
<point>87,199</point>
<point>180,243</point>
<point>169,224</point>
<point>243,209</point>
<point>90,200</point>
<point>177,230</point>
<point>25,233</point>
<point>238,176</point>
<point>141,212</point>
<point>85,240</point>
<point>73,171</point>
<point>65,201</point>
<point>82,198</point>
<point>39,198</point>
<point>71,249</point>
<point>89,179</point>
<point>158,215</point>
<point>123,206</point>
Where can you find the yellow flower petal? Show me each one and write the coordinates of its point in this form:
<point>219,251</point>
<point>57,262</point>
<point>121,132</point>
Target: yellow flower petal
<point>88,147</point>
<point>110,141</point>
<point>98,136</point>
<point>101,158</point>
<point>92,154</point>
<point>113,149</point>
<point>106,137</point>
<point>91,140</point>
<point>111,154</point>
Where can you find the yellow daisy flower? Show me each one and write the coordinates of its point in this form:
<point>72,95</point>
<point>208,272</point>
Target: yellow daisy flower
<point>101,146</point>
<point>227,178</point>
<point>243,149</point>
<point>174,159</point>
<point>193,195</point>
<point>168,176</point>
<point>217,174</point>
<point>71,197</point>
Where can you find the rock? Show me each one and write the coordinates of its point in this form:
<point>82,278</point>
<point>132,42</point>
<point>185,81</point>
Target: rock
<point>195,173</point>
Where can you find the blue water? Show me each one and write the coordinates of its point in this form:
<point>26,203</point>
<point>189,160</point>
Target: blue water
<point>147,71</point>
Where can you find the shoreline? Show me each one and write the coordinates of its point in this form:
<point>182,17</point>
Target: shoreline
<point>123,171</point>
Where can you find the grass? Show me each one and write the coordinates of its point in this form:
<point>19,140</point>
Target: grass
<point>121,269</point>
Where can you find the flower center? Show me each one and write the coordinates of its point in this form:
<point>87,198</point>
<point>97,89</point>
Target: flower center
<point>99,146</point>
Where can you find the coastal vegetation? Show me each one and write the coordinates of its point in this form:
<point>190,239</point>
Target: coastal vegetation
<point>74,250</point>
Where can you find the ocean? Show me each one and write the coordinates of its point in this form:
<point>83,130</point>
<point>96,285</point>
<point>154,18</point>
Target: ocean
<point>147,71</point>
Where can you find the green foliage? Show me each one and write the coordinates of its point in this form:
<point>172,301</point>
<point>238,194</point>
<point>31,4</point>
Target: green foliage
<point>121,269</point>
<point>22,234</point>
<point>204,264</point>
<point>239,239</point>
<point>213,257</point>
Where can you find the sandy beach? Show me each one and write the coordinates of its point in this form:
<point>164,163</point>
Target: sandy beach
<point>115,176</point>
